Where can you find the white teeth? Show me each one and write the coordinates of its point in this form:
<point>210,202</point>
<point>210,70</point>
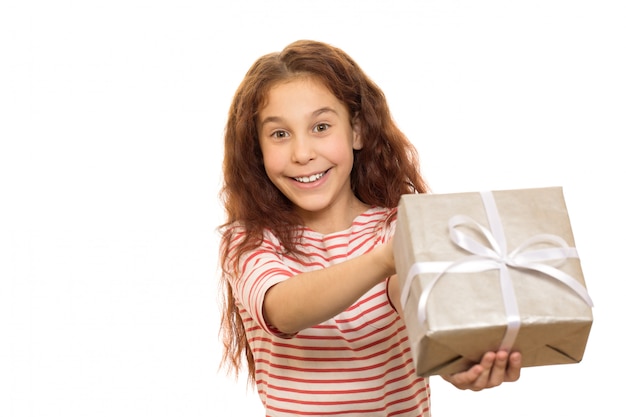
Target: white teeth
<point>310,179</point>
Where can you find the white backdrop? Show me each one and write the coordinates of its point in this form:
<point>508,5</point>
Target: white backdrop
<point>111,116</point>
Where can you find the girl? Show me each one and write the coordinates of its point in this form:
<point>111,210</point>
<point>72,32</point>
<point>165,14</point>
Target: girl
<point>314,167</point>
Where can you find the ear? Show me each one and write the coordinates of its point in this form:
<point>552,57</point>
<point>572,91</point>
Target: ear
<point>357,141</point>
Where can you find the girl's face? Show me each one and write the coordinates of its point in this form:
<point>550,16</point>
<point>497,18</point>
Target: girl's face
<point>307,142</point>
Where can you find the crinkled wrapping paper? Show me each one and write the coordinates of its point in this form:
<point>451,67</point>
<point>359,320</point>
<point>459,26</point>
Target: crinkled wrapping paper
<point>508,290</point>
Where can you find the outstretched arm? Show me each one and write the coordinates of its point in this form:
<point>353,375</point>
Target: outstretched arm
<point>310,298</point>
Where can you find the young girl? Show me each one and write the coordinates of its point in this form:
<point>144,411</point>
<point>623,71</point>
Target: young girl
<point>314,168</point>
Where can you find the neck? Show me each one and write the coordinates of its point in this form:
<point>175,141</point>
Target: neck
<point>334,219</point>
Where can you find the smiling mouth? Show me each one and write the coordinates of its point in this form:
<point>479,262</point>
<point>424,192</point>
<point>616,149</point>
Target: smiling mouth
<point>311,178</point>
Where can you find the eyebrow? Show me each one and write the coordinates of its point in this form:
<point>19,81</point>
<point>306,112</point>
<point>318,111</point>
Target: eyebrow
<point>320,111</point>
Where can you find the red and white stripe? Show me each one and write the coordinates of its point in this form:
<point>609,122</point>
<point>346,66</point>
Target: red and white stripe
<point>356,364</point>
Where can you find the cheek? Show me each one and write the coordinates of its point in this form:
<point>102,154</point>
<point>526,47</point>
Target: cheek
<point>272,160</point>
<point>342,152</point>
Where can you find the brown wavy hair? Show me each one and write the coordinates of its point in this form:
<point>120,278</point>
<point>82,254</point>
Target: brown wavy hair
<point>384,169</point>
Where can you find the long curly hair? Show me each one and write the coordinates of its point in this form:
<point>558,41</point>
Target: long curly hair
<point>385,168</point>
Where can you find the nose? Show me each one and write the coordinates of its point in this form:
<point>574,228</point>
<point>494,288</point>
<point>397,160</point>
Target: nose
<point>302,149</point>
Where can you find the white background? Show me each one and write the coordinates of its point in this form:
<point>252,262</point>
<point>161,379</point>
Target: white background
<point>111,120</point>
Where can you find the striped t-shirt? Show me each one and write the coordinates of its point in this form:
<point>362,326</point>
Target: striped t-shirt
<point>355,364</point>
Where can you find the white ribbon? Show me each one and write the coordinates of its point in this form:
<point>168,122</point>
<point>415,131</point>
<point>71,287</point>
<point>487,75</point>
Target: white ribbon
<point>485,258</point>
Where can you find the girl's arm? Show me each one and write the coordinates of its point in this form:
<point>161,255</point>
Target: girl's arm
<point>310,298</point>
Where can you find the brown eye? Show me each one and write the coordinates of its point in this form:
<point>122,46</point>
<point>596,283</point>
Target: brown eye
<point>322,127</point>
<point>279,134</point>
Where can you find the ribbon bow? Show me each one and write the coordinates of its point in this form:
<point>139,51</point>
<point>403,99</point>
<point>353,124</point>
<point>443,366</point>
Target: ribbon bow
<point>497,257</point>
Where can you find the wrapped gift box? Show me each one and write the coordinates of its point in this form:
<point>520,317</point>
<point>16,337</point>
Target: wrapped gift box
<point>491,270</point>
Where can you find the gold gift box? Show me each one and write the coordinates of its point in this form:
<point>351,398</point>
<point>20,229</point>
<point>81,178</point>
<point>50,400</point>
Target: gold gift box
<point>481,271</point>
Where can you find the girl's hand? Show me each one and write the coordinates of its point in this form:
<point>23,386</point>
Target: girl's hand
<point>494,369</point>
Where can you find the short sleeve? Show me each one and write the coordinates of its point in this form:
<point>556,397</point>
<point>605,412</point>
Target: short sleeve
<point>259,269</point>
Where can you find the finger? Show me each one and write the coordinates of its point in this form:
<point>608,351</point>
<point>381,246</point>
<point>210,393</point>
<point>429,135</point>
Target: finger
<point>467,379</point>
<point>487,362</point>
<point>514,367</point>
<point>499,369</point>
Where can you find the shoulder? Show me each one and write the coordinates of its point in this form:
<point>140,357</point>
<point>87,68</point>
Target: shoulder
<point>239,247</point>
<point>236,233</point>
<point>377,214</point>
<point>381,218</point>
